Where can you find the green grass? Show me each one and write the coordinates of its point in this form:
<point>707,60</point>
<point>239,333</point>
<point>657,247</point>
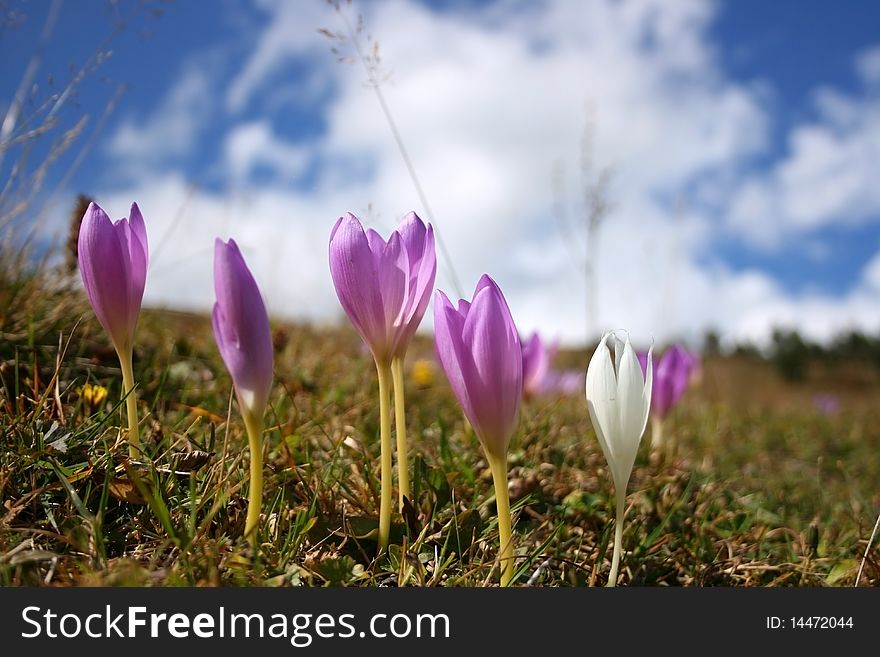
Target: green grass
<point>761,490</point>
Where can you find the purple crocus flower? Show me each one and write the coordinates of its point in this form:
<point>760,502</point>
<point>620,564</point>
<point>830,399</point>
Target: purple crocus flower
<point>672,374</point>
<point>241,328</point>
<point>479,349</point>
<point>536,357</point>
<point>565,382</point>
<point>113,261</point>
<point>539,378</point>
<point>383,286</point>
<point>826,403</point>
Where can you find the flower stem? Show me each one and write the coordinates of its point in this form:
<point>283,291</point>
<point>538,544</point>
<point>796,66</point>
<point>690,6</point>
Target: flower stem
<point>134,441</point>
<point>400,430</point>
<point>498,465</point>
<point>383,370</point>
<point>656,432</point>
<point>254,426</point>
<point>618,538</point>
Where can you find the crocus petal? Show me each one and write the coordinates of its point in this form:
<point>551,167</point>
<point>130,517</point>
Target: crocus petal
<point>425,271</point>
<point>377,243</point>
<point>423,275</point>
<point>631,390</point>
<point>418,240</point>
<point>413,233</point>
<point>113,263</point>
<point>601,389</point>
<point>649,382</point>
<point>673,374</point>
<point>138,253</point>
<point>537,375</point>
<point>241,328</point>
<point>681,365</point>
<point>618,350</point>
<point>662,401</point>
<point>634,408</point>
<point>534,364</point>
<point>356,279</point>
<point>454,357</point>
<point>392,264</point>
<point>497,387</point>
<point>569,382</point>
<point>485,281</point>
<point>478,347</point>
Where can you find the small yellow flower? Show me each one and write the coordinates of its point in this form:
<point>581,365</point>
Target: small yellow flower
<point>93,395</point>
<point>423,372</point>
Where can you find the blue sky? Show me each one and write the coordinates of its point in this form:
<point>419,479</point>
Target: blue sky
<point>796,47</point>
<point>743,140</point>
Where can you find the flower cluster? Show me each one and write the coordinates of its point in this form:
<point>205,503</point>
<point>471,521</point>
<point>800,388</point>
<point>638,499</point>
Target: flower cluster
<point>113,259</point>
<point>385,287</point>
<point>539,377</point>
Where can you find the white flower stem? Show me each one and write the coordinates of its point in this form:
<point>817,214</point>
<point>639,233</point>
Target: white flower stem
<point>656,433</point>
<point>618,538</point>
<point>400,430</point>
<point>254,426</point>
<point>498,465</point>
<point>383,370</point>
<point>134,442</point>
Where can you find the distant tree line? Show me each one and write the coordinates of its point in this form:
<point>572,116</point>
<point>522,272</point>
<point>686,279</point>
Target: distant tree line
<point>791,353</point>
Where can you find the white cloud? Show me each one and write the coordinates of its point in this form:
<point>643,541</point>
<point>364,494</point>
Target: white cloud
<point>868,64</point>
<point>292,32</point>
<point>171,130</point>
<point>871,278</point>
<point>487,102</point>
<point>276,232</point>
<point>828,176</point>
<point>251,145</point>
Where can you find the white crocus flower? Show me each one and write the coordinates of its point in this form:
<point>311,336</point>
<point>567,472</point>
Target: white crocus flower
<point>619,401</point>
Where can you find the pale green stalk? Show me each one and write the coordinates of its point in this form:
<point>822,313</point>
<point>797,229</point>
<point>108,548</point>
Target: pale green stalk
<point>400,429</point>
<point>656,432</point>
<point>254,426</point>
<point>134,442</point>
<point>618,538</point>
<point>498,465</point>
<point>383,370</point>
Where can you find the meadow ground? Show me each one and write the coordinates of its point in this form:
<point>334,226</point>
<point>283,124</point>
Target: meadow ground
<point>762,489</point>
